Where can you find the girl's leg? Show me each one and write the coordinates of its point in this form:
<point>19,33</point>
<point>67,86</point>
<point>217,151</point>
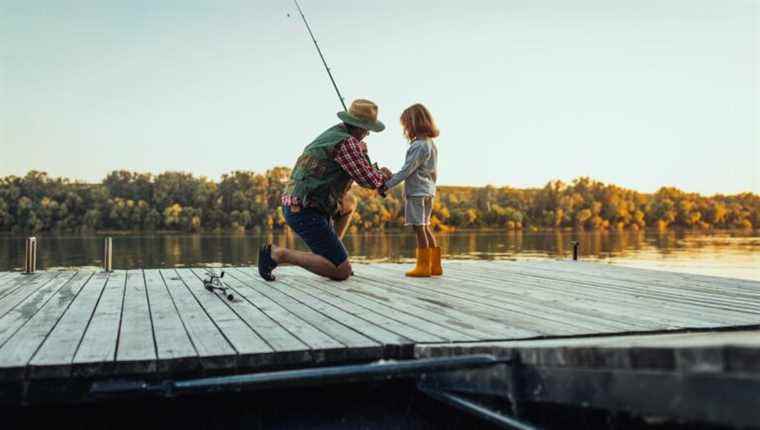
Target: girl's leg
<point>422,268</point>
<point>430,238</point>
<point>422,241</point>
<point>435,253</point>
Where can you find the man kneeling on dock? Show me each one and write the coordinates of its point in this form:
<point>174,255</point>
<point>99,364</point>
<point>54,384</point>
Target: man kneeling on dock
<point>317,203</point>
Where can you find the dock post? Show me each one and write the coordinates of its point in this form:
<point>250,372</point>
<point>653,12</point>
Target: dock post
<point>30,260</point>
<point>576,250</point>
<point>108,255</point>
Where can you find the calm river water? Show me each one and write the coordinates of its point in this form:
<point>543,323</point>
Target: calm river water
<point>731,254</point>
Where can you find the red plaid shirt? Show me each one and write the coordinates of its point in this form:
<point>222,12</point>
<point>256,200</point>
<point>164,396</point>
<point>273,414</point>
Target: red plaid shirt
<point>351,154</point>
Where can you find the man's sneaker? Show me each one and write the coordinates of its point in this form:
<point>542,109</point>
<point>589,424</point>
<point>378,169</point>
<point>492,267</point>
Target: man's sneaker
<point>266,263</point>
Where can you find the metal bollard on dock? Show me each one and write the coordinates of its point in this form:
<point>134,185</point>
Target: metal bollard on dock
<point>576,250</point>
<point>108,255</point>
<point>30,260</point>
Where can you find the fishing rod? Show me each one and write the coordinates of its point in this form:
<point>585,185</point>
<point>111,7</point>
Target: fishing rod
<point>319,51</point>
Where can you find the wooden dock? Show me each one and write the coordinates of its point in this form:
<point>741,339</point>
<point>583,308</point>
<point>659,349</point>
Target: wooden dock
<point>86,326</point>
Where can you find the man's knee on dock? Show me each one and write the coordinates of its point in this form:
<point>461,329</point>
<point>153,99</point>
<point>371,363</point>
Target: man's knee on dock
<point>342,272</point>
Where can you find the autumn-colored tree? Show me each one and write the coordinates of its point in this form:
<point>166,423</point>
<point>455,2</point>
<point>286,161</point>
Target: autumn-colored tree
<point>243,201</point>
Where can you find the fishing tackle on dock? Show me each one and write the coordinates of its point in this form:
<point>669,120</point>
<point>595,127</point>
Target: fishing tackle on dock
<point>214,282</point>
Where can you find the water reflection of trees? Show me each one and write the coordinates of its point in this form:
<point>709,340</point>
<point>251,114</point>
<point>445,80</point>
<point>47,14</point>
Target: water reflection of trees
<point>242,249</point>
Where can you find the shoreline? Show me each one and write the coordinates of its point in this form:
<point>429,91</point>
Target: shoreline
<point>384,231</point>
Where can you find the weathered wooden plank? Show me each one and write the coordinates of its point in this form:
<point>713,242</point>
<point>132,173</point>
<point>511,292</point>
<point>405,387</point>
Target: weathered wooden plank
<point>175,350</point>
<point>17,351</point>
<point>10,274</point>
<point>458,312</point>
<point>573,299</point>
<point>23,288</point>
<point>647,297</point>
<point>646,307</point>
<point>558,303</point>
<point>4,275</point>
<point>287,349</point>
<point>54,358</point>
<point>705,290</point>
<point>136,349</point>
<point>8,281</point>
<point>358,345</point>
<point>403,319</point>
<point>516,305</point>
<point>436,312</point>
<point>641,304</point>
<point>671,282</point>
<point>323,348</point>
<point>96,353</point>
<point>736,286</point>
<point>306,285</point>
<point>740,286</point>
<point>710,293</point>
<point>366,328</point>
<point>474,301</point>
<point>655,286</point>
<point>252,350</point>
<point>214,350</point>
<point>302,319</point>
<point>19,315</point>
<point>310,335</point>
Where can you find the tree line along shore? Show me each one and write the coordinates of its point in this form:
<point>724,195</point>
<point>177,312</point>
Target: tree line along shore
<point>249,201</point>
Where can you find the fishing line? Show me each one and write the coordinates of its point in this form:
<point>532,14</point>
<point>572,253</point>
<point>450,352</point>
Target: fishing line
<point>319,51</point>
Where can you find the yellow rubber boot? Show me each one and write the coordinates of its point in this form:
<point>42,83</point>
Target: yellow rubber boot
<point>435,261</point>
<point>422,269</point>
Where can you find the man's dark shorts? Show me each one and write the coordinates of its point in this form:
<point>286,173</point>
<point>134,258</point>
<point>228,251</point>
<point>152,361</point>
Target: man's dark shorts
<point>317,230</point>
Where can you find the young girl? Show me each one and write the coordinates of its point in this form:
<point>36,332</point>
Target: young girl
<point>419,174</point>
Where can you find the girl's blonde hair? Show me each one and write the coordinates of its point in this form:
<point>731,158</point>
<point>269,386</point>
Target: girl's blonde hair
<point>418,123</point>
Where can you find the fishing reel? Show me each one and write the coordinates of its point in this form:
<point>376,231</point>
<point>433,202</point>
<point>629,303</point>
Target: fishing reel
<point>214,282</point>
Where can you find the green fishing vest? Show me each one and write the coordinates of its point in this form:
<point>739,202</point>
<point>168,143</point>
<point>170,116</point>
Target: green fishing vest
<point>317,179</point>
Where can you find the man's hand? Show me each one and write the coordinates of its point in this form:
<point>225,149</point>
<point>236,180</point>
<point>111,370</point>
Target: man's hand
<point>386,173</point>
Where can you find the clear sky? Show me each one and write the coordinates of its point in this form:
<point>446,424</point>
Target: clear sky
<point>639,93</point>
